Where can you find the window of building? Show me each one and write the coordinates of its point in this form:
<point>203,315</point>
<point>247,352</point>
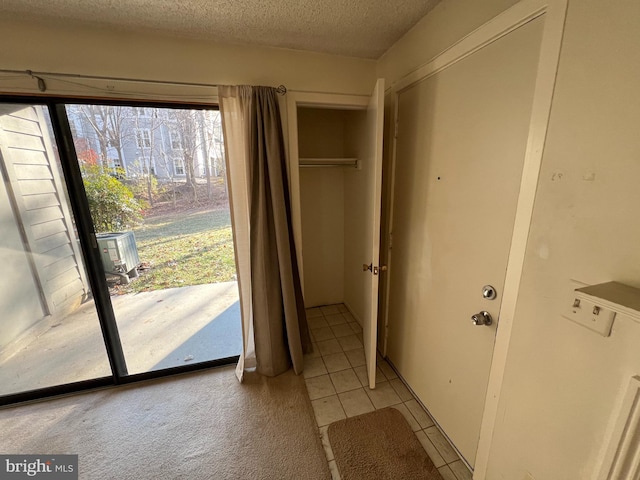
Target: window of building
<point>143,138</point>
<point>178,166</point>
<point>176,141</point>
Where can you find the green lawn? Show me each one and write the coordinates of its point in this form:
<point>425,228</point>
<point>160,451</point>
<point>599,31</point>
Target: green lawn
<point>183,249</point>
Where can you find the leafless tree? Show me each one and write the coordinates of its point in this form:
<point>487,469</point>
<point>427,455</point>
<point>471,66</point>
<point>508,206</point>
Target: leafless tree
<point>111,126</point>
<point>147,145</point>
<point>119,132</point>
<point>167,162</point>
<point>96,117</point>
<point>212,145</point>
<point>187,129</point>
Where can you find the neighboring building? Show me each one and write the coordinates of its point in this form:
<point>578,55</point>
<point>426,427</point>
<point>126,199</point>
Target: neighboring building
<point>162,142</point>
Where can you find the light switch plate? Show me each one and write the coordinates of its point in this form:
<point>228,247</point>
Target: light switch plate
<point>587,313</point>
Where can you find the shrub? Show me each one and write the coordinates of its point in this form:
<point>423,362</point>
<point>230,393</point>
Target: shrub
<point>143,185</point>
<point>112,204</point>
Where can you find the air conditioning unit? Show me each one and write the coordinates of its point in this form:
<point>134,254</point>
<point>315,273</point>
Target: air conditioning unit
<point>119,255</point>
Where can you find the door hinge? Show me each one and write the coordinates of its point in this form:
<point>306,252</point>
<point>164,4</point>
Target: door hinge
<point>395,134</point>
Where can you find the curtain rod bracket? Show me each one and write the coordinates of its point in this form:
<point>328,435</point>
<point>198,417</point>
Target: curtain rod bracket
<point>42,86</point>
<point>281,89</point>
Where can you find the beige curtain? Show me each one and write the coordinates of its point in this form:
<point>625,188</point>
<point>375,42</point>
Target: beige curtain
<point>274,324</point>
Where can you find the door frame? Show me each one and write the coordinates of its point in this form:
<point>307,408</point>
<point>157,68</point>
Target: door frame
<point>554,12</point>
<point>317,100</point>
<point>372,105</point>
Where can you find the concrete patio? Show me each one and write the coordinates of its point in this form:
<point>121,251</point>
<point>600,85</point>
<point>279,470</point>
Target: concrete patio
<point>159,329</point>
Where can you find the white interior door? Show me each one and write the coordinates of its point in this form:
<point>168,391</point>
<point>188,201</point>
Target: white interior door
<point>460,148</point>
<point>372,168</point>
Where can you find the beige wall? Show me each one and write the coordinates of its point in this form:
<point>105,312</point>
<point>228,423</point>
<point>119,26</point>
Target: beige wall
<point>447,23</point>
<point>564,383</point>
<point>96,51</point>
<point>331,205</point>
<point>322,208</point>
<point>322,134</point>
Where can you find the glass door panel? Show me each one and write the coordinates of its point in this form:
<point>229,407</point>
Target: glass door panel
<point>155,182</point>
<point>49,329</point>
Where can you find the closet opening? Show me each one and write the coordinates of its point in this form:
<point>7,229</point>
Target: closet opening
<point>331,192</point>
<point>335,156</point>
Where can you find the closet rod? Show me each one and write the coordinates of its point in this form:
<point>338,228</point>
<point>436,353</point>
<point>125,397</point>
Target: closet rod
<point>328,162</point>
<point>329,165</point>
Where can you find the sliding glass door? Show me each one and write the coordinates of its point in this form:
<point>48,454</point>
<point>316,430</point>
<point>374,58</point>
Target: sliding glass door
<point>50,333</point>
<point>142,278</point>
<point>156,188</point>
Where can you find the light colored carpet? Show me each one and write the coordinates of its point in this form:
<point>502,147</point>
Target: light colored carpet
<point>379,446</point>
<point>203,425</point>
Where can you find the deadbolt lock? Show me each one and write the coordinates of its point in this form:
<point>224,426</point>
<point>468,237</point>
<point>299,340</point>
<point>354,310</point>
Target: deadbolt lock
<point>489,292</point>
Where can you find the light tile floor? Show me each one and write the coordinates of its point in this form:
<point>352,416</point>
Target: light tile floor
<point>336,380</point>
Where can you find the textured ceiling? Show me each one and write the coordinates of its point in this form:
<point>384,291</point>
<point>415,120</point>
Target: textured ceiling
<point>359,28</point>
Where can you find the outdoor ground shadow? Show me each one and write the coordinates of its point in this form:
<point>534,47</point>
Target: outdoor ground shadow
<point>220,338</point>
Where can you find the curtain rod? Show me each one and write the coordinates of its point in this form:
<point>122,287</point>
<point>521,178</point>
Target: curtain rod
<point>42,86</point>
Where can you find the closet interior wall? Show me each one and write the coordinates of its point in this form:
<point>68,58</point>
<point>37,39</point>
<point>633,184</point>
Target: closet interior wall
<point>331,211</point>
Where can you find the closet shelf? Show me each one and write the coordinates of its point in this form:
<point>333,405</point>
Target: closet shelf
<point>329,162</point>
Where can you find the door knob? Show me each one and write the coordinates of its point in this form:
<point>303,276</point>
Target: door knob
<point>482,318</point>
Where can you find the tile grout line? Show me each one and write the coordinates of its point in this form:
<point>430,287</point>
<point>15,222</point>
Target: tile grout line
<point>381,374</point>
<point>435,424</point>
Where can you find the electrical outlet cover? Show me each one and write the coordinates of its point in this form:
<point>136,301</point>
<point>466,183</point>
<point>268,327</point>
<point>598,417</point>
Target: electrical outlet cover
<point>588,314</point>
